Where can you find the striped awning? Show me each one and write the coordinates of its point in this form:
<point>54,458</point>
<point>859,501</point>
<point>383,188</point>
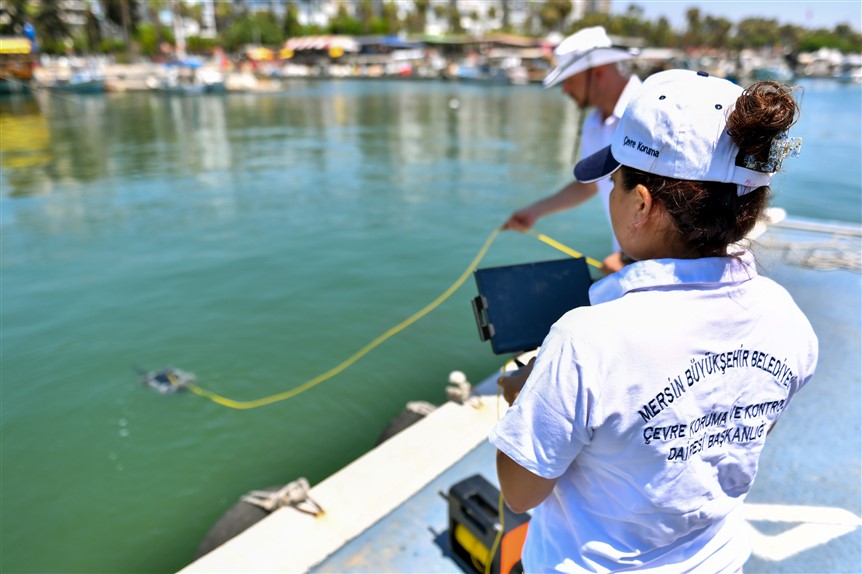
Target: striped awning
<point>345,43</point>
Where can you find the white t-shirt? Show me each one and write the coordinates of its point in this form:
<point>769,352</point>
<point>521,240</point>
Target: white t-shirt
<point>598,134</point>
<point>651,408</point>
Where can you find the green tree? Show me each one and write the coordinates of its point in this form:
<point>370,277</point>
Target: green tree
<point>439,11</point>
<point>421,12</point>
<point>791,36</point>
<point>163,33</point>
<point>416,19</point>
<point>453,17</point>
<point>93,31</point>
<point>366,15</point>
<point>259,28</point>
<point>842,38</point>
<point>592,19</point>
<point>148,39</point>
<point>757,33</point>
<point>122,13</point>
<point>224,15</point>
<point>662,35</point>
<point>389,20</point>
<point>344,23</point>
<point>851,41</point>
<point>632,23</point>
<point>187,10</point>
<point>553,14</point>
<point>17,13</point>
<point>50,27</point>
<point>693,36</point>
<point>291,25</point>
<point>716,32</point>
<point>507,15</point>
<point>198,45</point>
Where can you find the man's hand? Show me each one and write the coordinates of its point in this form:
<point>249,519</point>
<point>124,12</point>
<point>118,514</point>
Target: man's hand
<point>522,220</point>
<point>512,384</point>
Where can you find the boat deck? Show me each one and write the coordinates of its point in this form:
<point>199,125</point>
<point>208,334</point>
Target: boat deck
<point>803,513</point>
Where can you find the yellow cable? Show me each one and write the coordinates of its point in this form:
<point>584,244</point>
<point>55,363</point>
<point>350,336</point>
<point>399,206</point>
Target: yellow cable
<point>311,383</point>
<point>500,510</point>
<point>496,538</point>
<point>359,354</point>
<point>567,250</point>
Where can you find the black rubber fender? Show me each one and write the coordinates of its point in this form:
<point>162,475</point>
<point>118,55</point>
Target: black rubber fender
<point>237,519</point>
<point>412,413</point>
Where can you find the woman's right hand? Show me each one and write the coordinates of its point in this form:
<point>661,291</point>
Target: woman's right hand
<point>513,382</point>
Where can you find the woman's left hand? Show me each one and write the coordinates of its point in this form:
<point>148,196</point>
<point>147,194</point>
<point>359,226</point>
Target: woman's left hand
<point>513,383</point>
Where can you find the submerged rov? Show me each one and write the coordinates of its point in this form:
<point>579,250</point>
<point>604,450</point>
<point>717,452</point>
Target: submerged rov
<point>169,380</point>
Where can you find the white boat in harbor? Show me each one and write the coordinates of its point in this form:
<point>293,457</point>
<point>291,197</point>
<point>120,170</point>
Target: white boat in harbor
<point>187,77</point>
<point>384,512</point>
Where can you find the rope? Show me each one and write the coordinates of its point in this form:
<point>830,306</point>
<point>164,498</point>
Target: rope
<point>311,383</point>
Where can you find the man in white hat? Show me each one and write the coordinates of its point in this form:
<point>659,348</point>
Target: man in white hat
<point>587,69</point>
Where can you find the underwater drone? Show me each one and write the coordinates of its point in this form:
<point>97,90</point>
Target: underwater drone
<point>169,380</point>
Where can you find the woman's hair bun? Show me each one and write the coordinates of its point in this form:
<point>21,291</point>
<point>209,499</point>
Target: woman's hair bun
<point>763,111</point>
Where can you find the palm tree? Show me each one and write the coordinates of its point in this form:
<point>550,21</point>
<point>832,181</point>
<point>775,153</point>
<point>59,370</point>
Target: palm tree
<point>421,11</point>
<point>693,36</point>
<point>716,31</point>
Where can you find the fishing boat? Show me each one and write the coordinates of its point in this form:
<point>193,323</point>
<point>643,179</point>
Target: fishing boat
<point>77,81</point>
<point>384,512</point>
<point>17,62</point>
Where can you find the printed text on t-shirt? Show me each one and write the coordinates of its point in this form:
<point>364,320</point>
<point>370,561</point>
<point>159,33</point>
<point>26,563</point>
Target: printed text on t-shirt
<point>740,423</point>
<point>710,364</point>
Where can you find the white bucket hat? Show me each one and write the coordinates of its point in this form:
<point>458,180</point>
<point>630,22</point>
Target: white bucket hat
<point>676,126</point>
<point>585,49</point>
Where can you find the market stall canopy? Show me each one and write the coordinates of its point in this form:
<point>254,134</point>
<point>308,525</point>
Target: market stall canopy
<point>322,43</point>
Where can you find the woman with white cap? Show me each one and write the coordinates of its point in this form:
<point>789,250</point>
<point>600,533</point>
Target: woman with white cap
<point>586,68</point>
<point>637,433</point>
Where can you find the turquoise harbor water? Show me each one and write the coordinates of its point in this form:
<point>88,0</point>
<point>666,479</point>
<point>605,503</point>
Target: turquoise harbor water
<point>256,241</point>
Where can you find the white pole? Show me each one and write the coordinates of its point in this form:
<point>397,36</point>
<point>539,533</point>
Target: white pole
<point>179,33</point>
<point>209,19</point>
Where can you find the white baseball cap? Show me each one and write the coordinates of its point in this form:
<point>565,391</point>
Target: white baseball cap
<point>585,49</point>
<point>676,126</point>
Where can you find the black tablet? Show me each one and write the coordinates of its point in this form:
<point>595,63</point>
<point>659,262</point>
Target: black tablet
<point>517,304</point>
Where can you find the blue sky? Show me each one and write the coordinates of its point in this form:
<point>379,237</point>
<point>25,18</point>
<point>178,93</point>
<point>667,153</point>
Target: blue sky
<point>807,13</point>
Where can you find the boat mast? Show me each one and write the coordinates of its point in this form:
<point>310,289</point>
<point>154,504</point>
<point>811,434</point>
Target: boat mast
<point>179,33</point>
<point>209,30</point>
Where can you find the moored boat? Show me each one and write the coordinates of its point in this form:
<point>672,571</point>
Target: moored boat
<point>17,61</point>
<point>78,82</point>
<point>187,77</point>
